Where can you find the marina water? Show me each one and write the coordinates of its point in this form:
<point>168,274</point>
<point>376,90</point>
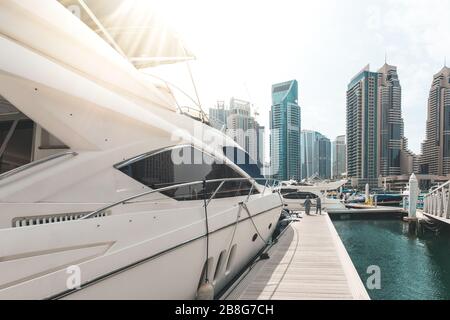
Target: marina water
<point>410,267</point>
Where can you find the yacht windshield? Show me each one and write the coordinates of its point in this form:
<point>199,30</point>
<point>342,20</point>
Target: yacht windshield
<point>182,165</point>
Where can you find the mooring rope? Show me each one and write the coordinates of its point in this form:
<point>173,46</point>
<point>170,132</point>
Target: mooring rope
<point>243,205</point>
<point>207,232</point>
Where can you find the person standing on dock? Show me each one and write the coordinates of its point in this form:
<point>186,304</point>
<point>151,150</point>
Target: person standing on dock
<point>318,206</point>
<point>307,205</point>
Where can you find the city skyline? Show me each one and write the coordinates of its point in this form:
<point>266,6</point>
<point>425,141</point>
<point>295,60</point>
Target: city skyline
<point>319,45</point>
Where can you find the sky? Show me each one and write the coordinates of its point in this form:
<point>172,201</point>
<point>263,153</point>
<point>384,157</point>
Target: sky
<point>243,47</point>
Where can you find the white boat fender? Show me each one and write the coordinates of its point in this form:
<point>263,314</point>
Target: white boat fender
<point>205,292</point>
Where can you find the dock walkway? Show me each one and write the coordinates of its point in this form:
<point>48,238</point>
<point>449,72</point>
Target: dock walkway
<point>309,261</point>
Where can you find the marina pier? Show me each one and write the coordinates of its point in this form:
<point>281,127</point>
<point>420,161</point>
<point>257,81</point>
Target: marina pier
<point>308,261</point>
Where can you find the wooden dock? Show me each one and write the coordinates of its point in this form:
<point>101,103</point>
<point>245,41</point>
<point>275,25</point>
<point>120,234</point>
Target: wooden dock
<point>309,261</point>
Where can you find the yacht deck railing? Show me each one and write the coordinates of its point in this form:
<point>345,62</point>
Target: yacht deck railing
<point>274,185</point>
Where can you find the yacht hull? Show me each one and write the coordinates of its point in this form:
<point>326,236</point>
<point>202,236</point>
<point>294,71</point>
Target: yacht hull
<point>135,256</point>
<point>177,274</point>
<point>62,76</point>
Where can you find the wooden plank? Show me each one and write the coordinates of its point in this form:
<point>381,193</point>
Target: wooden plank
<point>309,261</point>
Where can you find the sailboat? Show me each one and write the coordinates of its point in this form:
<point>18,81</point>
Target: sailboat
<point>110,200</point>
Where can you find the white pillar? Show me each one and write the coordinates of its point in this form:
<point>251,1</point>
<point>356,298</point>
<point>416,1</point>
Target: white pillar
<point>447,207</point>
<point>367,193</point>
<point>433,197</point>
<point>413,195</point>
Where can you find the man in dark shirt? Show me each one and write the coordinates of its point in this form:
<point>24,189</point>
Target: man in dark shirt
<point>318,206</point>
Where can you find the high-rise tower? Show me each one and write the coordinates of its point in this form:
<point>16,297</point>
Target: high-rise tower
<point>339,157</point>
<point>315,155</point>
<point>391,140</point>
<point>435,157</point>
<point>285,129</point>
<point>242,127</point>
<point>362,129</point>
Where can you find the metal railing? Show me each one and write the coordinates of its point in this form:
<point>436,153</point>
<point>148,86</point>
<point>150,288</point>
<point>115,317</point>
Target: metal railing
<point>195,112</point>
<point>436,202</point>
<point>222,181</point>
<point>35,163</point>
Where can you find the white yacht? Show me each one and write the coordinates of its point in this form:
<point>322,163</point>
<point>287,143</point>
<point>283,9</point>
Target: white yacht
<point>99,205</point>
<point>294,194</point>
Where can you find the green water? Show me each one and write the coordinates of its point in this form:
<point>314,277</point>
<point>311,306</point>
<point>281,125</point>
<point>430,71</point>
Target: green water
<point>410,267</point>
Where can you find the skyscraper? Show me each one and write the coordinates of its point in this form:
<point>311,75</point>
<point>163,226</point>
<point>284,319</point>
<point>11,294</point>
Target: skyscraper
<point>242,127</point>
<point>260,138</point>
<point>285,127</point>
<point>315,155</point>
<point>218,116</point>
<point>339,157</point>
<point>324,158</point>
<point>309,153</point>
<point>238,123</point>
<point>376,145</point>
<point>362,131</point>
<point>435,158</point>
<point>391,140</point>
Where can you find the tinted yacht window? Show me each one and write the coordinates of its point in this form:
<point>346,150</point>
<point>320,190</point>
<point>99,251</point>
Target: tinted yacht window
<point>300,195</point>
<point>244,161</point>
<point>183,165</point>
<point>285,191</point>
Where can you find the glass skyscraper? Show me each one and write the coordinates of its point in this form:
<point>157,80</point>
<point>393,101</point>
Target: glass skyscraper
<point>285,128</point>
<point>315,155</point>
<point>218,116</point>
<point>339,157</point>
<point>324,158</point>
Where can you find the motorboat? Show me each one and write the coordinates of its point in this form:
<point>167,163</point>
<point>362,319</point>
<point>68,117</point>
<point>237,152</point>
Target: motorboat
<point>294,194</point>
<point>124,197</point>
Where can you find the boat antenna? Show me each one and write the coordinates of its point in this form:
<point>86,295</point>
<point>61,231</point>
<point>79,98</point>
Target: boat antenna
<point>195,87</point>
<point>193,83</point>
